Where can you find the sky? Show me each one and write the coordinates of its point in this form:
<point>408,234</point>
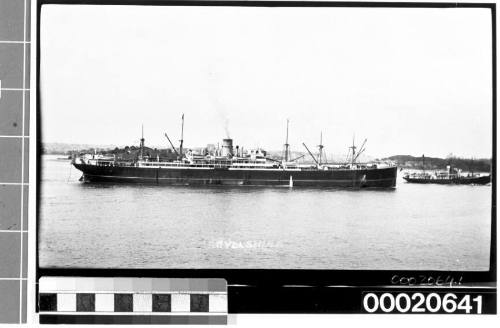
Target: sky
<point>410,81</point>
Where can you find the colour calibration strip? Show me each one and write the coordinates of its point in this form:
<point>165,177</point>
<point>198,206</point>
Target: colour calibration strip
<point>81,300</point>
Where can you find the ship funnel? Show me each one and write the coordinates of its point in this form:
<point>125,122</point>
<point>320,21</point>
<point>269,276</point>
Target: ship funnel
<point>227,147</point>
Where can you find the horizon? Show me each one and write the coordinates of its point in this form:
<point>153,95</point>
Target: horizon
<point>86,146</point>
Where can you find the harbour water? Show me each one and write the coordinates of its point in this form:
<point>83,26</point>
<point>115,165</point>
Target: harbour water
<point>422,227</point>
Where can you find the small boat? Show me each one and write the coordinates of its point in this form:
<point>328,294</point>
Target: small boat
<point>450,176</point>
<point>444,178</point>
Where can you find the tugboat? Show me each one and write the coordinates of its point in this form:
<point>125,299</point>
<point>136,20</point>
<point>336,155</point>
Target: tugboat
<point>450,176</point>
<point>229,166</point>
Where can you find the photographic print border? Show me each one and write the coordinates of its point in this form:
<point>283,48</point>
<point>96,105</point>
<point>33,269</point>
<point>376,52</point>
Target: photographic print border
<point>289,291</point>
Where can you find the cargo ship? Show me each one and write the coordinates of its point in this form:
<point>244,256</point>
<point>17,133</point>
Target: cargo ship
<point>228,165</point>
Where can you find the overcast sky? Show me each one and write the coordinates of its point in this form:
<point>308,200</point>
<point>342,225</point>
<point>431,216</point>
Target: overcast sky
<point>411,81</point>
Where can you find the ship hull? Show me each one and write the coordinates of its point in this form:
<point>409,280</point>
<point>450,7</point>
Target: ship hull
<point>476,180</point>
<point>360,178</point>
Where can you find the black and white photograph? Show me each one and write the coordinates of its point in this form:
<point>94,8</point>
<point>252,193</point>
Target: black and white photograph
<point>228,137</point>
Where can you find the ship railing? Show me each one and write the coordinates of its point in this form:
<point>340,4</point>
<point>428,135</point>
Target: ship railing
<point>98,162</point>
<point>204,165</point>
<point>421,175</point>
<point>162,164</point>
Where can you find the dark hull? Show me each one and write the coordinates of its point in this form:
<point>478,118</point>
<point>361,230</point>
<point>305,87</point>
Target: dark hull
<point>476,180</point>
<point>366,178</point>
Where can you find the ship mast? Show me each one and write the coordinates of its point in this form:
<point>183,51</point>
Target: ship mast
<point>353,148</point>
<point>287,145</point>
<point>320,146</point>
<point>182,136</point>
<point>142,141</point>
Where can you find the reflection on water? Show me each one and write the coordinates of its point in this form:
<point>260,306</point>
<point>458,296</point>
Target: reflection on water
<point>438,227</point>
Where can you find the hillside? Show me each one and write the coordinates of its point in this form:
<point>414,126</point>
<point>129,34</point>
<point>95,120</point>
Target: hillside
<point>435,163</point>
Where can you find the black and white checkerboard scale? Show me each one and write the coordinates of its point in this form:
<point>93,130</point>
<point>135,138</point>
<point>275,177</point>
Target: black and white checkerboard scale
<point>134,300</point>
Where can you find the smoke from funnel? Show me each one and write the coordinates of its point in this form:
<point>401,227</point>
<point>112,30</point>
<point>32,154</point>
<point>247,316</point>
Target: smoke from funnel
<point>214,93</point>
<point>222,113</point>
<point>226,128</point>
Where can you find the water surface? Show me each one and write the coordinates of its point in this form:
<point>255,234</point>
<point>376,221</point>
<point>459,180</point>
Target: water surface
<point>421,227</point>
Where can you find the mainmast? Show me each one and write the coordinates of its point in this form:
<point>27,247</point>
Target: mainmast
<point>287,145</point>
<point>182,136</point>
